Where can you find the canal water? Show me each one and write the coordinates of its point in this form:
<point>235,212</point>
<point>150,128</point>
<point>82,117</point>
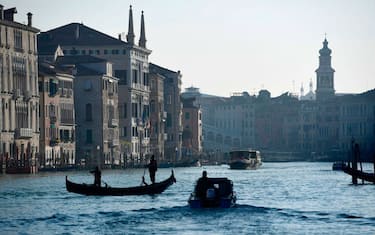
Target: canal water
<point>278,198</point>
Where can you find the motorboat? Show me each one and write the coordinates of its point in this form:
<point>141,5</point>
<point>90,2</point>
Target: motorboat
<point>213,193</point>
<point>245,159</point>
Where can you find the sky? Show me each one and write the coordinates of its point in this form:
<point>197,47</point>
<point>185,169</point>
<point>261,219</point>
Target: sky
<point>223,47</point>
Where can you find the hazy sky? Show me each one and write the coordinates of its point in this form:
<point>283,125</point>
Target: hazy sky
<point>234,46</point>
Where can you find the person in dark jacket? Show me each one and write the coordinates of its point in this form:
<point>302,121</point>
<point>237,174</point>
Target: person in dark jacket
<point>98,176</point>
<point>202,185</point>
<point>152,168</point>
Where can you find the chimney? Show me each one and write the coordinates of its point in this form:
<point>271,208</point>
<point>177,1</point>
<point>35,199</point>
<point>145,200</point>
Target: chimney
<point>1,12</point>
<point>119,36</point>
<point>9,14</point>
<point>29,19</point>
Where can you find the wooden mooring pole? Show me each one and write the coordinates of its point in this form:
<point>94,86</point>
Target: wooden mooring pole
<point>355,163</point>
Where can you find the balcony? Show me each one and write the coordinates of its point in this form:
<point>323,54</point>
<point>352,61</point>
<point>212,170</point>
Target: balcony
<point>24,133</point>
<point>16,93</point>
<point>111,93</point>
<point>69,93</point>
<point>54,142</point>
<point>113,122</point>
<point>114,142</point>
<point>27,96</point>
<point>165,115</point>
<point>53,119</point>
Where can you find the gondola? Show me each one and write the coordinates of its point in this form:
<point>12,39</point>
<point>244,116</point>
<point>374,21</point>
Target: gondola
<point>90,189</point>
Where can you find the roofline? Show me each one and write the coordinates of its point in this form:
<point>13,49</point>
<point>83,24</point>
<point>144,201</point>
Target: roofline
<point>171,71</point>
<point>19,26</point>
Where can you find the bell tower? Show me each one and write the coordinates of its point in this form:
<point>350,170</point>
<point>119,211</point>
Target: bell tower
<point>324,74</point>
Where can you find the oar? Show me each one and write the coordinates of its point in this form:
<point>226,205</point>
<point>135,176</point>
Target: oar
<point>143,178</point>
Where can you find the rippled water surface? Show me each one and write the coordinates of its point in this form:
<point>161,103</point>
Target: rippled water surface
<point>278,198</point>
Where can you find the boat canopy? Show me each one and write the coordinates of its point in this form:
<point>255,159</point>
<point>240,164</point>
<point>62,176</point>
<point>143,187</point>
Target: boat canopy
<point>223,186</point>
<point>244,153</point>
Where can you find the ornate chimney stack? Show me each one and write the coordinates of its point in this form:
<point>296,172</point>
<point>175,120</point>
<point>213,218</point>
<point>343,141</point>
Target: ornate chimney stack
<point>130,36</point>
<point>142,39</point>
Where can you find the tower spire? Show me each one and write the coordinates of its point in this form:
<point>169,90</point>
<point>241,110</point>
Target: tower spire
<point>325,74</point>
<point>302,91</point>
<point>142,39</point>
<point>130,36</point>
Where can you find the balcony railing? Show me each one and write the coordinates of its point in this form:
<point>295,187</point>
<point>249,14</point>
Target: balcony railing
<point>24,133</point>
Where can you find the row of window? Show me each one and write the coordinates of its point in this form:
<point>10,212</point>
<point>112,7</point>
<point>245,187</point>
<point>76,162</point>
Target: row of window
<point>356,110</point>
<point>356,129</point>
<point>75,51</point>
<point>17,38</point>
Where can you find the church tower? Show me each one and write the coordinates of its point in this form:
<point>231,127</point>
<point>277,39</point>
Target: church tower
<point>324,74</point>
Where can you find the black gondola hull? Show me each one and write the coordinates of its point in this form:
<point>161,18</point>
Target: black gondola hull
<point>90,189</point>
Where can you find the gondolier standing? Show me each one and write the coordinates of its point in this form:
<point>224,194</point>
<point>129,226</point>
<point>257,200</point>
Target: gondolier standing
<point>152,168</point>
<point>98,176</point>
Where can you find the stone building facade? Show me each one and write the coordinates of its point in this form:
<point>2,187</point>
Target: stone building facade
<point>357,123</point>
<point>173,109</point>
<point>157,116</point>
<point>96,105</point>
<point>57,118</point>
<point>130,65</point>
<point>19,98</point>
<point>192,135</point>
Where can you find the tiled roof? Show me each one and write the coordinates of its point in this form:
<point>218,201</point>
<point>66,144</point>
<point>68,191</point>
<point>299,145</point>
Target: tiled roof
<point>77,34</point>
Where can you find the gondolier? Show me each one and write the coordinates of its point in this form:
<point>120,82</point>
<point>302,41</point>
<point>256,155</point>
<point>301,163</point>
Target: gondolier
<point>152,168</point>
<point>98,176</point>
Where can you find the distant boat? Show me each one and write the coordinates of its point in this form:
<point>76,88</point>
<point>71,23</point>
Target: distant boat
<point>90,189</point>
<point>18,170</point>
<point>245,159</point>
<point>218,192</point>
<point>338,166</point>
